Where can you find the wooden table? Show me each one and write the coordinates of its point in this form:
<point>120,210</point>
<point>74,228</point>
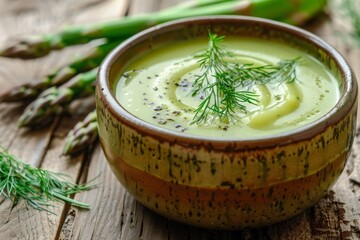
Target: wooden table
<point>114,214</point>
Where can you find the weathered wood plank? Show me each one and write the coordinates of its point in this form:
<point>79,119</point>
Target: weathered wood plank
<point>334,217</point>
<point>114,214</point>
<point>103,220</point>
<point>41,147</point>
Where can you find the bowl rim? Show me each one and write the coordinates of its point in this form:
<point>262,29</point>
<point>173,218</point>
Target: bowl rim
<point>338,112</point>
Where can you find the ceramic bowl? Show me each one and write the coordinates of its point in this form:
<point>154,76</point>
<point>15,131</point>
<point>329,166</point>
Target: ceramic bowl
<point>226,184</point>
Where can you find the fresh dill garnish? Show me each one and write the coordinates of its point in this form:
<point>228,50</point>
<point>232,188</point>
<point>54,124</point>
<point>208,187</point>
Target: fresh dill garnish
<point>19,180</point>
<point>219,81</point>
<point>248,74</point>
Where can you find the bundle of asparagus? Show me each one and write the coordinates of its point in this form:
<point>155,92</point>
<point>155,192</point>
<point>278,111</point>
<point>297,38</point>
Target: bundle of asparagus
<point>56,91</point>
<point>30,90</point>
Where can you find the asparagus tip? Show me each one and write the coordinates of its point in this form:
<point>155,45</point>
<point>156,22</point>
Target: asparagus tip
<point>40,112</point>
<point>29,48</point>
<point>19,94</point>
<point>82,135</point>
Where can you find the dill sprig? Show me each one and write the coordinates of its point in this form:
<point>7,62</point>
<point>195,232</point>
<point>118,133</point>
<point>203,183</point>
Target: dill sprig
<point>247,75</point>
<point>221,97</point>
<point>19,180</point>
<point>219,82</point>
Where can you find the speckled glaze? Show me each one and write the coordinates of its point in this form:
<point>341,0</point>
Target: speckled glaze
<point>217,183</point>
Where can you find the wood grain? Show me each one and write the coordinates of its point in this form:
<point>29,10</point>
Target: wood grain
<point>42,147</point>
<point>114,213</point>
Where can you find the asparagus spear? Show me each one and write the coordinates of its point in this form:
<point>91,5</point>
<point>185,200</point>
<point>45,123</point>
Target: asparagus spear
<point>304,12</point>
<point>125,27</point>
<point>54,100</point>
<point>83,134</point>
<point>30,90</point>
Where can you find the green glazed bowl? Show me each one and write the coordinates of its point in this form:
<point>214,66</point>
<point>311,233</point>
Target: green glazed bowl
<point>225,184</point>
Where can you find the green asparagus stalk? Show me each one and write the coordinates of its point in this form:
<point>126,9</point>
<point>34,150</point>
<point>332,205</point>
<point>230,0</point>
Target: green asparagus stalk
<point>82,135</point>
<point>187,5</point>
<point>304,12</point>
<point>127,26</point>
<point>55,100</point>
<point>30,90</point>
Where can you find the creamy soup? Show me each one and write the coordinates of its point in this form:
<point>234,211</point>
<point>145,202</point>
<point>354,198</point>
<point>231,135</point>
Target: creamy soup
<point>157,88</point>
